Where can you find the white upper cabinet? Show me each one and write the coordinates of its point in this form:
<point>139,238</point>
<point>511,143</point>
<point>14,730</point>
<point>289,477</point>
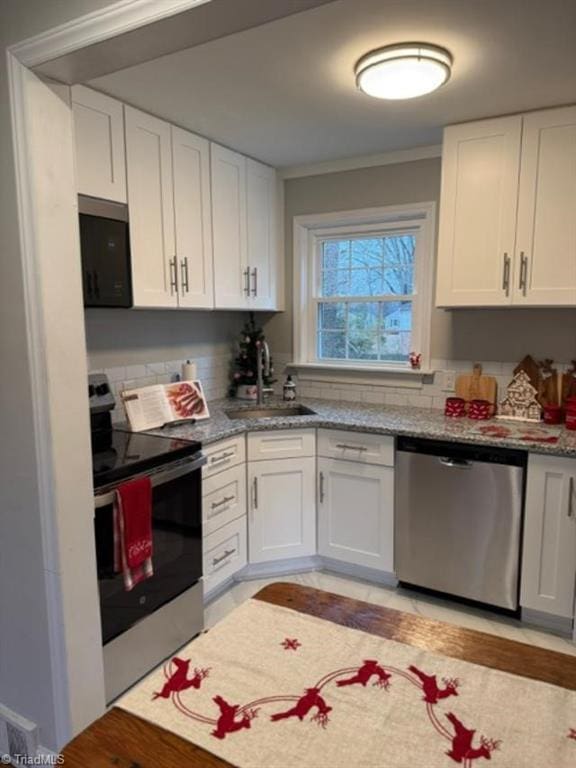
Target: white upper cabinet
<point>478,213</point>
<point>507,225</point>
<point>151,210</point>
<point>546,236</point>
<point>193,219</point>
<point>262,234</point>
<point>247,266</point>
<point>229,219</point>
<point>549,552</point>
<point>99,136</point>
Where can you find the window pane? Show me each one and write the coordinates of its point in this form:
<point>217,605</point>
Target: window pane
<point>336,282</point>
<point>336,254</point>
<point>398,281</point>
<point>332,316</point>
<point>399,250</point>
<point>367,252</point>
<point>363,316</point>
<point>332,344</point>
<point>396,331</point>
<point>366,282</point>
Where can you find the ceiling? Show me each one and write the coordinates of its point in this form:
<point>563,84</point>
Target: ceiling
<point>284,93</point>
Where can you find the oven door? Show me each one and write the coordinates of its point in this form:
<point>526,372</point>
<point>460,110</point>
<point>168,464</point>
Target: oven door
<point>177,547</point>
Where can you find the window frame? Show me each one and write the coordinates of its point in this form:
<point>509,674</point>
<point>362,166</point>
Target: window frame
<point>310,230</point>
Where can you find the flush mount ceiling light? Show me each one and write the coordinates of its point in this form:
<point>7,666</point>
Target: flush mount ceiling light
<point>403,71</point>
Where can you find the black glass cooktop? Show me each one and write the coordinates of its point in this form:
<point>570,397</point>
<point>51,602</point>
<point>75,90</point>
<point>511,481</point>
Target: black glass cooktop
<point>117,455</point>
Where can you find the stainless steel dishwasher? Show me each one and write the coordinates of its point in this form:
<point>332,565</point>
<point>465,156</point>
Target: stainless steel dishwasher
<point>458,519</point>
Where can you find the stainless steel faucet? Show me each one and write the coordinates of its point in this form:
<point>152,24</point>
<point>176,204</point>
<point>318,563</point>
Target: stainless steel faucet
<point>263,369</point>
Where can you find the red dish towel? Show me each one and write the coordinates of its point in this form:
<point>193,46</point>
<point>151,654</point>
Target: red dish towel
<point>133,531</point>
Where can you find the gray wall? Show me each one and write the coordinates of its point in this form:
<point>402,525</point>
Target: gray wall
<point>130,337</point>
<point>502,335</point>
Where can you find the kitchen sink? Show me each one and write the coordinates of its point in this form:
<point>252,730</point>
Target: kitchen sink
<point>269,412</point>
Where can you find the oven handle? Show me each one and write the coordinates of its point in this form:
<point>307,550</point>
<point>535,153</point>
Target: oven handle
<point>160,477</point>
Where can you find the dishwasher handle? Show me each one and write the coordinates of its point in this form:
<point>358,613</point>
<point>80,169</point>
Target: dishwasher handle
<point>446,461</point>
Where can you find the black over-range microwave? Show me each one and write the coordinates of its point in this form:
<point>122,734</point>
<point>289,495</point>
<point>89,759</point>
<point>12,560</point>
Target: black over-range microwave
<point>105,249</point>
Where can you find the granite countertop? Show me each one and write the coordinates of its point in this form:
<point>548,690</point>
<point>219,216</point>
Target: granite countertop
<point>383,420</point>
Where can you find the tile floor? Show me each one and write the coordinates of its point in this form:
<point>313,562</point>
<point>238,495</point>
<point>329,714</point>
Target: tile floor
<point>411,602</point>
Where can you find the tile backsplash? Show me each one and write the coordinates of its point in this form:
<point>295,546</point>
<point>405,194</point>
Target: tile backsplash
<point>428,392</point>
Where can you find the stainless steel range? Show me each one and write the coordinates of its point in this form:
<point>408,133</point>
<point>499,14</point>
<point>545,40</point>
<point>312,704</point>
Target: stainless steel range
<point>142,627</point>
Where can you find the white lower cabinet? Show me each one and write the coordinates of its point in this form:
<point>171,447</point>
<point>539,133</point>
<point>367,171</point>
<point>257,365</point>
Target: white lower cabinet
<point>282,509</point>
<point>549,552</point>
<point>224,498</point>
<point>224,554</point>
<point>356,513</point>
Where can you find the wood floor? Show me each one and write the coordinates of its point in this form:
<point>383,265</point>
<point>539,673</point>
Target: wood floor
<point>121,740</point>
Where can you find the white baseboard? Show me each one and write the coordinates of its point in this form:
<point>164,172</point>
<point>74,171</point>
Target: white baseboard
<point>559,625</point>
<point>359,572</point>
<point>287,567</point>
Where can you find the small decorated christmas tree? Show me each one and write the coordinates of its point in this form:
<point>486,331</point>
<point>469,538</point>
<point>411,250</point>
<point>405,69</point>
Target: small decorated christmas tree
<point>245,364</point>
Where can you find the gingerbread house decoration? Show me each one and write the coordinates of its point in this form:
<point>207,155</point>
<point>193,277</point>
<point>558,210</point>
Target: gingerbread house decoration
<point>520,401</point>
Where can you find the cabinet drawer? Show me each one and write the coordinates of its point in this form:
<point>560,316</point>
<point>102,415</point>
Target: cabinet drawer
<point>224,554</point>
<point>224,454</point>
<point>356,446</point>
<point>281,444</point>
<point>224,498</point>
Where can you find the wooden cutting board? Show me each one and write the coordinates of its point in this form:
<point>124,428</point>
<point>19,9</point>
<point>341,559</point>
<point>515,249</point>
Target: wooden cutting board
<point>476,386</point>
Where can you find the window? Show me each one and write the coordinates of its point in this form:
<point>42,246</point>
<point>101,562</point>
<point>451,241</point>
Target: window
<point>364,280</point>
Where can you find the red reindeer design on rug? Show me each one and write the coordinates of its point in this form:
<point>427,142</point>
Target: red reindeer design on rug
<point>432,693</point>
<point>462,749</point>
<point>369,669</point>
<point>227,722</point>
<point>303,706</point>
<point>178,681</point>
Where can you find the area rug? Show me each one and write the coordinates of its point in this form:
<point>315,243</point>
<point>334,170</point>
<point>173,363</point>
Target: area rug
<point>270,687</point>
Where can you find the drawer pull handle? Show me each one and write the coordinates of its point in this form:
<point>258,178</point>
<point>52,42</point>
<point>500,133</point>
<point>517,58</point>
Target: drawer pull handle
<point>225,500</point>
<point>218,560</point>
<point>222,457</point>
<point>570,496</point>
<point>351,447</point>
<point>321,489</point>
<point>255,494</point>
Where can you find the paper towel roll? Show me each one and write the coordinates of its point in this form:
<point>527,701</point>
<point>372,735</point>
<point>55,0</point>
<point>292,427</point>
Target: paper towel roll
<point>189,371</point>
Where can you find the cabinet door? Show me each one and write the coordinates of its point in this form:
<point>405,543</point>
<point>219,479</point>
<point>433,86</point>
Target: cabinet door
<point>480,169</point>
<point>231,276</point>
<point>99,139</point>
<point>549,553</point>
<point>151,207</point>
<point>193,218</point>
<point>282,520</point>
<point>356,513</point>
<point>262,235</point>
<point>546,236</point>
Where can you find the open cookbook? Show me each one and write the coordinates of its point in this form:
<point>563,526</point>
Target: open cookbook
<point>154,406</point>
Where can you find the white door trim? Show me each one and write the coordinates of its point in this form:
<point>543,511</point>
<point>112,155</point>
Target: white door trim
<point>111,21</point>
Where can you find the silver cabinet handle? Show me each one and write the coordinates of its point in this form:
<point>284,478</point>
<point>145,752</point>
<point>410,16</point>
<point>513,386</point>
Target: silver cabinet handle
<point>351,447</point>
<point>225,500</point>
<point>321,488</point>
<point>570,496</point>
<point>246,275</point>
<point>506,275</point>
<point>227,553</point>
<point>185,277</point>
<point>173,276</point>
<point>255,281</point>
<point>523,285</point>
<point>222,457</point>
<point>255,492</point>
